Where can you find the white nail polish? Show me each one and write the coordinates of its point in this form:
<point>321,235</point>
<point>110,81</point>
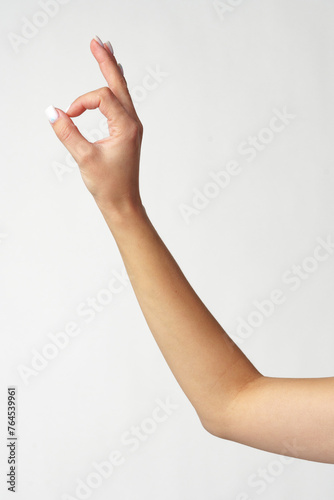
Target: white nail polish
<point>121,68</point>
<point>52,113</point>
<point>108,44</point>
<point>98,40</point>
<point>68,108</point>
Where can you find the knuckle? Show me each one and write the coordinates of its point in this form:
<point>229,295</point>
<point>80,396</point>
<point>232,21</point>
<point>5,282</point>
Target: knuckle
<point>141,128</point>
<point>124,84</point>
<point>104,92</point>
<point>86,154</point>
<point>133,129</point>
<point>65,132</point>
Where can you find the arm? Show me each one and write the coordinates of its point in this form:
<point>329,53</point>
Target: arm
<point>208,366</point>
<point>293,417</point>
<point>233,400</point>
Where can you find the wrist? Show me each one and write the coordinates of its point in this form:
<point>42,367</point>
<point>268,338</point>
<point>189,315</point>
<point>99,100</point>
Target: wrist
<point>123,214</point>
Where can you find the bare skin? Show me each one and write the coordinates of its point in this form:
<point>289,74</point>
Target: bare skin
<point>233,400</point>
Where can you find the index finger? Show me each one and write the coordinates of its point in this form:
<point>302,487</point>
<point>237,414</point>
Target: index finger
<point>107,103</point>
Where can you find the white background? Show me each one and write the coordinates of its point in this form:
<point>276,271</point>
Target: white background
<point>224,74</point>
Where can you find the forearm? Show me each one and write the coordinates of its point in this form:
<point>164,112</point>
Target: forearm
<point>233,400</point>
<point>208,366</point>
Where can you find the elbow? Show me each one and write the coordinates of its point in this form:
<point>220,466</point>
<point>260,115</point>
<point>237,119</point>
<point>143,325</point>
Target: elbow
<point>223,420</point>
<point>216,423</point>
<point>216,426</point>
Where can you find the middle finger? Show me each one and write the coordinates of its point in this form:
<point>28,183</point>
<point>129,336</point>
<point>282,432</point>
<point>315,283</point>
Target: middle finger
<point>112,73</point>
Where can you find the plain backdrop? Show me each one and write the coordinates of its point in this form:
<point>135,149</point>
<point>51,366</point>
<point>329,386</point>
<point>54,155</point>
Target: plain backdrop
<point>207,79</point>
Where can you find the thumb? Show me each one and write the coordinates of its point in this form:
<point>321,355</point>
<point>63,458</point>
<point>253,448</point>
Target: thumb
<point>69,134</point>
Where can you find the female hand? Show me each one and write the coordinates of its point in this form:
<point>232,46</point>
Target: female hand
<point>110,166</point>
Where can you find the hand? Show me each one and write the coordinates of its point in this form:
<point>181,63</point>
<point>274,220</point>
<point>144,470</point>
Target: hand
<point>110,166</point>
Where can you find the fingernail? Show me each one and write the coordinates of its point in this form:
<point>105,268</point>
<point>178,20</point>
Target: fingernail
<point>121,68</point>
<point>68,108</point>
<point>108,44</point>
<point>98,40</point>
<point>52,113</point>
